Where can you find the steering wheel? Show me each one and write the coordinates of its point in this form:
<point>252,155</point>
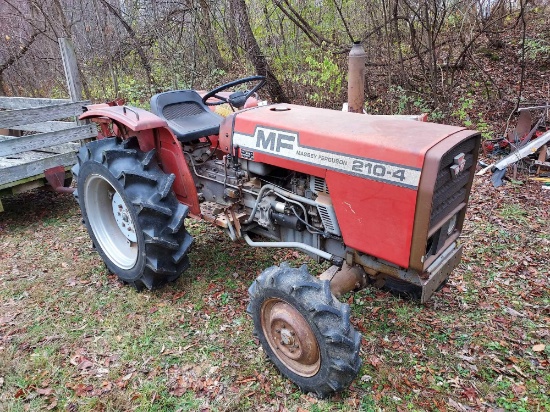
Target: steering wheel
<point>236,99</point>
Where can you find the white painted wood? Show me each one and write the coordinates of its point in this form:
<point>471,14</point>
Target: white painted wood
<point>42,140</point>
<point>11,118</point>
<point>28,102</point>
<point>50,126</point>
<point>36,167</point>
<point>71,69</point>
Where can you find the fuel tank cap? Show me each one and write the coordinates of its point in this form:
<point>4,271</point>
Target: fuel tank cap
<point>280,108</point>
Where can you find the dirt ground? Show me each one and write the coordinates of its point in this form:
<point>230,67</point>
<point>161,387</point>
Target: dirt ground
<point>73,338</point>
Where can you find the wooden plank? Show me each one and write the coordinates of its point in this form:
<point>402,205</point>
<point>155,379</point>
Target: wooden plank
<point>8,188</point>
<point>3,137</point>
<point>28,102</point>
<point>39,141</point>
<point>71,69</point>
<point>10,118</point>
<point>25,187</point>
<point>35,155</point>
<point>19,185</point>
<point>18,172</point>
<point>50,126</point>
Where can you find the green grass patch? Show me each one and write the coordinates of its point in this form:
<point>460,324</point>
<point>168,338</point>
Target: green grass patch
<point>73,337</point>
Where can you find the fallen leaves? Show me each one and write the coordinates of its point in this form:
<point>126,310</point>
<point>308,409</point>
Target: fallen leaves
<point>44,391</point>
<point>458,406</point>
<point>470,393</point>
<point>375,361</point>
<point>457,352</point>
<point>191,378</point>
<point>8,318</point>
<point>81,389</point>
<point>539,347</point>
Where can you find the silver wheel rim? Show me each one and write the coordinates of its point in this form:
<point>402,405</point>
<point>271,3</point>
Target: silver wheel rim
<point>111,222</point>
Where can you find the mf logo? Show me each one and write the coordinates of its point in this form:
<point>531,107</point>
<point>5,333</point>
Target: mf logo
<point>274,140</point>
<point>458,166</point>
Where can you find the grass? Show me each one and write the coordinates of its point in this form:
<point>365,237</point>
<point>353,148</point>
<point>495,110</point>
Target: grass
<point>73,338</point>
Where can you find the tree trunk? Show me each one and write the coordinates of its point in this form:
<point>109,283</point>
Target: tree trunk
<point>232,35</point>
<point>141,53</point>
<point>209,36</point>
<point>254,53</point>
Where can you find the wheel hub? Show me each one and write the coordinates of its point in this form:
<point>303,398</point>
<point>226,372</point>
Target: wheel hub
<point>286,337</point>
<point>110,221</point>
<point>290,337</point>
<point>123,218</point>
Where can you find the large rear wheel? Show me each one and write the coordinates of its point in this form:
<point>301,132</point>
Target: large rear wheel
<point>133,217</point>
<point>304,329</point>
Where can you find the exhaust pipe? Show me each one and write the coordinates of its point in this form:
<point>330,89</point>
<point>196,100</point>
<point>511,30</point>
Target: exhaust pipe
<point>356,78</point>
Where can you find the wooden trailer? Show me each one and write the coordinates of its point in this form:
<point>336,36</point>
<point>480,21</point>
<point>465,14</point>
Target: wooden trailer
<point>39,137</point>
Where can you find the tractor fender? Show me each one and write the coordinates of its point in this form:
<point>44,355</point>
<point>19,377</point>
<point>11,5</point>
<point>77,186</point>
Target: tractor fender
<point>133,118</point>
<point>152,132</point>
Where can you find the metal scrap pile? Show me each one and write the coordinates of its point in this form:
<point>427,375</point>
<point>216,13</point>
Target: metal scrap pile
<point>528,143</point>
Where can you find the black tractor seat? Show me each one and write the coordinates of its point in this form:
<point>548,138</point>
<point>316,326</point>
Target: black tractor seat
<point>187,116</point>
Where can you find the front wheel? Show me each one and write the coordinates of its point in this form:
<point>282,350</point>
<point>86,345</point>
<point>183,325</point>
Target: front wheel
<point>305,330</point>
<point>131,213</point>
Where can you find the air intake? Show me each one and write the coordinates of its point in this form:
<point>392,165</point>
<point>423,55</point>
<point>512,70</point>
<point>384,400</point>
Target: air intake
<point>326,212</point>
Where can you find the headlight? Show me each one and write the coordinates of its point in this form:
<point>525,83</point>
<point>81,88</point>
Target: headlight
<point>452,225</point>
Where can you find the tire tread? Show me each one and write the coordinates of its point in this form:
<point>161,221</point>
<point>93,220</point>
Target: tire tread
<point>160,215</point>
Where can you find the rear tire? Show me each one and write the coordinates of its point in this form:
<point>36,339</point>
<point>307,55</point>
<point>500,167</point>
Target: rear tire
<point>305,330</point>
<point>133,217</point>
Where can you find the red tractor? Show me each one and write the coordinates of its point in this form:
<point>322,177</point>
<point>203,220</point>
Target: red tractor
<point>382,198</point>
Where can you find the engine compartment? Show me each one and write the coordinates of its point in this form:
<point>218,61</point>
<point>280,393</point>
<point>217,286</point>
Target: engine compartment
<point>280,204</point>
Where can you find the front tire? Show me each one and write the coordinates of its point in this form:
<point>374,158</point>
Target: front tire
<point>133,217</point>
<point>305,330</point>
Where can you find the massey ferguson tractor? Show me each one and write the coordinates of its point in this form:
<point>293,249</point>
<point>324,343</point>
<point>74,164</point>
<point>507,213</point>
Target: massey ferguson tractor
<point>382,198</point>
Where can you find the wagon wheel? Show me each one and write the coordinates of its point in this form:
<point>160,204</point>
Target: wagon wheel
<point>133,217</point>
<point>304,330</point>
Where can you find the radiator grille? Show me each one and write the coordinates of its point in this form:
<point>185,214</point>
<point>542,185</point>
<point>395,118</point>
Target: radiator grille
<point>450,192</point>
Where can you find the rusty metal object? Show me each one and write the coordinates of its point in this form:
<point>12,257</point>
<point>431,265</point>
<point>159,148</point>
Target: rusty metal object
<point>428,281</point>
<point>290,337</point>
<point>542,158</point>
<point>356,78</point>
<point>344,280</point>
<point>56,178</point>
<point>530,148</point>
<point>522,128</point>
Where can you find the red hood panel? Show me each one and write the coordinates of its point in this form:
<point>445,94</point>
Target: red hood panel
<point>370,164</point>
<point>390,140</point>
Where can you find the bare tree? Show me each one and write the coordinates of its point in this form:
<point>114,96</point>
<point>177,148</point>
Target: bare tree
<point>254,53</point>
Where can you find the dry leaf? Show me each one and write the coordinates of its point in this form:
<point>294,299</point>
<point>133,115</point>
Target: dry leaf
<point>8,318</point>
<point>458,406</point>
<point>375,361</point>
<point>539,348</point>
<point>45,391</point>
<point>85,364</point>
<point>52,405</point>
<point>469,393</point>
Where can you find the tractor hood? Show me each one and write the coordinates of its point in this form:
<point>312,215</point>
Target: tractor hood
<point>380,170</point>
<point>382,148</point>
